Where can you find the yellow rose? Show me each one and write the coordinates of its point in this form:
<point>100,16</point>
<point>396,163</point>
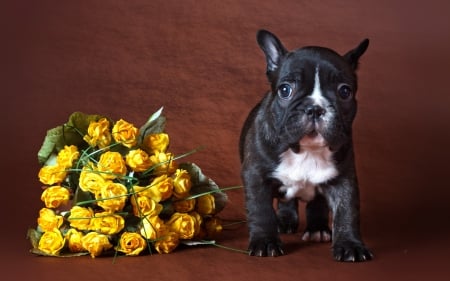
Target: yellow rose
<point>90,180</point>
<point>206,204</point>
<point>163,163</point>
<point>152,227</point>
<point>213,226</point>
<point>55,196</point>
<point>198,222</point>
<point>131,243</point>
<point>125,133</point>
<point>181,183</point>
<point>80,218</point>
<point>160,189</point>
<point>67,155</point>
<point>157,142</point>
<point>112,196</point>
<point>111,165</point>
<point>138,160</point>
<point>48,220</point>
<point>51,242</point>
<point>145,206</point>
<point>167,243</point>
<point>183,224</point>
<point>53,174</point>
<point>184,205</point>
<point>107,223</point>
<point>98,133</point>
<point>73,238</point>
<point>95,243</point>
<point>140,190</point>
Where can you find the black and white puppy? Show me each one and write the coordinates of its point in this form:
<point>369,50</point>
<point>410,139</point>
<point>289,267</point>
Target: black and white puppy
<point>297,143</point>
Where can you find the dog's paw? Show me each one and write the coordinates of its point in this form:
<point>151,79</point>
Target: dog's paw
<point>317,236</point>
<point>351,252</point>
<point>265,247</point>
<point>318,232</point>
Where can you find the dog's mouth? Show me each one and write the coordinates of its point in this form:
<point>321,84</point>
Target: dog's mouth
<point>312,134</point>
<point>313,140</point>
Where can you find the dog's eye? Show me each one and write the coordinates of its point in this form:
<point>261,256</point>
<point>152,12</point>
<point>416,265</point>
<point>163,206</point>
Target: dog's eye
<point>285,91</point>
<point>345,92</point>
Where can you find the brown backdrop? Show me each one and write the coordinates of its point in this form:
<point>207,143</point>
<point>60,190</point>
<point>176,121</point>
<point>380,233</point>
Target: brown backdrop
<point>199,60</point>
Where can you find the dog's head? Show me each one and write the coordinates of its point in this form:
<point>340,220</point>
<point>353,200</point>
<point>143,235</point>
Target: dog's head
<point>313,92</point>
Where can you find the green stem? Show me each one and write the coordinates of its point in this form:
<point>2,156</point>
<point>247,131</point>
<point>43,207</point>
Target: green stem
<point>233,223</point>
<point>212,191</point>
<point>228,248</point>
<point>151,169</point>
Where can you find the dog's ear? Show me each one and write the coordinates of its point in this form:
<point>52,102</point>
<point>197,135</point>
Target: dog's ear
<point>353,56</point>
<point>272,48</point>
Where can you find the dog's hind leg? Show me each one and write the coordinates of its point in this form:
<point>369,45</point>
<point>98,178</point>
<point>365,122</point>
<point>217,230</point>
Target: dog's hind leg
<point>287,214</point>
<point>317,218</point>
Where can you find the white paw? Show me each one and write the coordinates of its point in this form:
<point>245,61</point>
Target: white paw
<point>317,236</point>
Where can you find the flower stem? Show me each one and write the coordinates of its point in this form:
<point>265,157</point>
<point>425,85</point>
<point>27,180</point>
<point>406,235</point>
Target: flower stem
<point>172,159</point>
<point>228,248</point>
<point>234,223</point>
<point>212,191</point>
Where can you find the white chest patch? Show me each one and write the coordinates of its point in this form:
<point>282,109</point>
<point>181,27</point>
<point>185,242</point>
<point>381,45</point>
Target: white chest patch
<point>300,173</point>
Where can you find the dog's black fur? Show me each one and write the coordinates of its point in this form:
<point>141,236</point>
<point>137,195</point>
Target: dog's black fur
<point>288,123</point>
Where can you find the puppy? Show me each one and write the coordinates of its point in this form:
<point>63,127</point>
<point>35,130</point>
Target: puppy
<point>297,144</point>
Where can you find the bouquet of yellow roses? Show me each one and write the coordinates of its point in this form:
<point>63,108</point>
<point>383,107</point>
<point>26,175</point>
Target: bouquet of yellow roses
<point>111,187</point>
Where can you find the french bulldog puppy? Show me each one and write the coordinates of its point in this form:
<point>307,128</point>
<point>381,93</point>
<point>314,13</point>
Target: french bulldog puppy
<point>297,144</point>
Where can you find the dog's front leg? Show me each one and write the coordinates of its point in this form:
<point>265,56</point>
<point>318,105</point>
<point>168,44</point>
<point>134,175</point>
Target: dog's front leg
<point>262,220</point>
<point>343,198</point>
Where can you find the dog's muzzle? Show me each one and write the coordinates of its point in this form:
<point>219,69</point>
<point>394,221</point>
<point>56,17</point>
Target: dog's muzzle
<point>314,112</point>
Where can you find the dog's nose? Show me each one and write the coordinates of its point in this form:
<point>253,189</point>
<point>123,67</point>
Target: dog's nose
<point>314,111</point>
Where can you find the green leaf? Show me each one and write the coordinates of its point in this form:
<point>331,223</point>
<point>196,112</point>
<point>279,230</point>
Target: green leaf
<point>36,251</point>
<point>34,236</point>
<point>211,242</point>
<point>154,125</point>
<point>155,115</point>
<point>49,146</point>
<point>132,223</point>
<point>70,133</point>
<point>198,242</point>
<point>167,210</point>
<point>80,121</point>
<point>81,196</point>
<point>202,184</point>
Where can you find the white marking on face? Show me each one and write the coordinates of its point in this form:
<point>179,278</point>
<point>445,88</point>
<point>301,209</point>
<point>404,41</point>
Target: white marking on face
<point>301,172</point>
<point>318,99</point>
<point>317,95</point>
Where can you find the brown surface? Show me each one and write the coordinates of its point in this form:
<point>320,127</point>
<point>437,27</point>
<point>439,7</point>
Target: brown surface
<point>200,60</point>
